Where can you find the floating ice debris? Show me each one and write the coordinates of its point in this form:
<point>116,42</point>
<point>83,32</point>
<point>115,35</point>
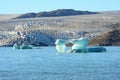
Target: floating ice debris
<point>60,45</point>
<point>23,46</point>
<point>15,46</point>
<point>79,45</point>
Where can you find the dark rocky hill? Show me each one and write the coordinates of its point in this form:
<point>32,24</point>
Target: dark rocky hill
<point>55,13</point>
<point>111,38</point>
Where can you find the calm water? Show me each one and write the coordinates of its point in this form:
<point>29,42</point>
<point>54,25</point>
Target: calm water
<point>47,64</point>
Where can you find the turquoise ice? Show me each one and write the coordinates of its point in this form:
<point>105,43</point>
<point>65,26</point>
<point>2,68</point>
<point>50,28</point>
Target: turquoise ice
<point>60,45</point>
<point>78,44</point>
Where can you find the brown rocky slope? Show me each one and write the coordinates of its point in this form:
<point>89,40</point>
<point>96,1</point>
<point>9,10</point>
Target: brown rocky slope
<point>111,38</point>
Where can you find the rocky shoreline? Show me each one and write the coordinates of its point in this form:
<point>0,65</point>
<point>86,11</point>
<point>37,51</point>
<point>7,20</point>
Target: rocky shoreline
<point>44,31</point>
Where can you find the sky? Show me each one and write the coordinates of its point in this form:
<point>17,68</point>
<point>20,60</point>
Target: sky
<point>26,6</point>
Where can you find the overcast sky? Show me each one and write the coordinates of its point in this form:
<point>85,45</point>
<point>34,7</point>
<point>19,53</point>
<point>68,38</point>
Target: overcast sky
<point>25,6</point>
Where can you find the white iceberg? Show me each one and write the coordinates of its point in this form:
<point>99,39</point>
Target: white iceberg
<point>60,45</point>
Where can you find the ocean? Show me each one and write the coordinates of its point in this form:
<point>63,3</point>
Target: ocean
<point>47,64</point>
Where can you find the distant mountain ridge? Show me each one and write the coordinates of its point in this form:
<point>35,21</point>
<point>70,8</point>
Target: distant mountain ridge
<point>55,13</point>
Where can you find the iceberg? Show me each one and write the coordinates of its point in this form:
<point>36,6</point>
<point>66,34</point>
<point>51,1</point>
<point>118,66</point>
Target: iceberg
<point>60,45</point>
<point>15,46</point>
<point>79,45</point>
<point>23,46</point>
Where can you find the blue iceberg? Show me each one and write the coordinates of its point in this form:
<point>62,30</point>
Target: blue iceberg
<point>23,46</point>
<point>79,45</point>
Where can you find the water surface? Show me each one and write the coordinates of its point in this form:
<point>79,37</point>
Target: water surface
<point>47,64</point>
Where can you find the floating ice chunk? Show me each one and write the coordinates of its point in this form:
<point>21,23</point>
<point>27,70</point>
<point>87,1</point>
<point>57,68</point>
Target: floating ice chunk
<point>60,45</point>
<point>80,44</point>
